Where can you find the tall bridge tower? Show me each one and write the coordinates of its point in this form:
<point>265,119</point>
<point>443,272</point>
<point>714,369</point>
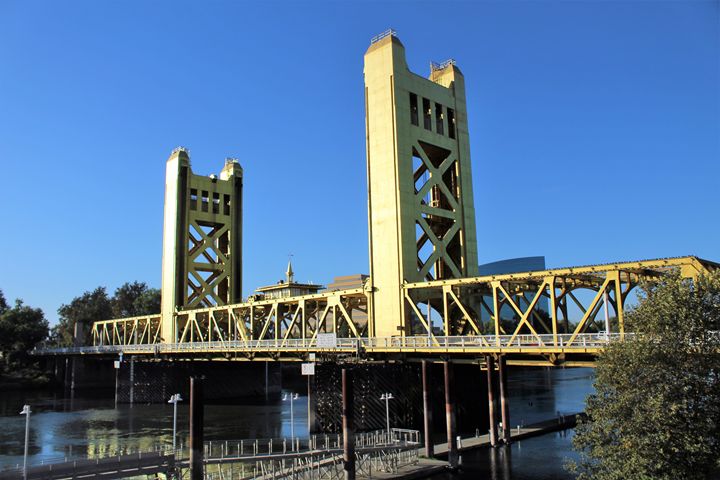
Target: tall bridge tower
<point>420,197</point>
<point>202,239</point>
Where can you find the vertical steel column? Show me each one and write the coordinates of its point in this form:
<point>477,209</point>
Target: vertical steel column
<point>504,403</point>
<point>132,380</point>
<point>427,411</point>
<point>66,374</point>
<point>196,446</point>
<point>267,379</point>
<point>348,425</point>
<point>450,415</point>
<point>310,407</point>
<point>490,364</point>
<point>72,374</point>
<point>117,374</point>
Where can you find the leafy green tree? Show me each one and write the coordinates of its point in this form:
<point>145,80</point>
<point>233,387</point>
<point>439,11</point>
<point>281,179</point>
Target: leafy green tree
<point>655,413</point>
<point>3,303</point>
<point>130,299</point>
<point>133,299</point>
<point>82,311</point>
<point>148,303</point>
<point>21,328</point>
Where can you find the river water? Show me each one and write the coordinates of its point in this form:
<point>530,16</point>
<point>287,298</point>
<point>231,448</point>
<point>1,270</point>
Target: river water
<point>61,427</point>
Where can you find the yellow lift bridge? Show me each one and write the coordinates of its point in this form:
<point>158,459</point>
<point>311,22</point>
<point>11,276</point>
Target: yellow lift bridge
<point>288,328</point>
<point>423,296</point>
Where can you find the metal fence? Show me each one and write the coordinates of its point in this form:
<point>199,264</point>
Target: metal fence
<point>261,449</point>
<point>354,345</point>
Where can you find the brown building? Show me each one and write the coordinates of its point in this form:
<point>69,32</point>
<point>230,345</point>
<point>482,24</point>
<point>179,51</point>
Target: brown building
<point>347,282</point>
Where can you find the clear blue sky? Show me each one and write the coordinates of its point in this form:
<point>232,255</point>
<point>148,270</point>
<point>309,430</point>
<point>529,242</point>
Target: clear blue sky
<point>595,129</point>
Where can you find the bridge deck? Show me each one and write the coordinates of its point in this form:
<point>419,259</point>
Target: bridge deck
<point>524,314</point>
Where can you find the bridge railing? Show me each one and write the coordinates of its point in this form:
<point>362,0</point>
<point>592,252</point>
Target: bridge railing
<point>281,446</point>
<point>563,342</point>
<point>75,462</point>
<point>580,341</point>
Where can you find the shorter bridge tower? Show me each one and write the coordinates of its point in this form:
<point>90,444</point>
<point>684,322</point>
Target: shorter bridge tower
<point>202,239</point>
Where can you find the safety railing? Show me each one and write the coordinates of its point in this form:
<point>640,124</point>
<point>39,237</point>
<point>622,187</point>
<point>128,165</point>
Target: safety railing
<point>582,341</point>
<point>355,345</point>
<point>226,449</point>
<point>121,454</point>
<point>216,451</point>
<point>387,33</point>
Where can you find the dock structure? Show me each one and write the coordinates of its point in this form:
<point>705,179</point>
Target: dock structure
<point>397,454</point>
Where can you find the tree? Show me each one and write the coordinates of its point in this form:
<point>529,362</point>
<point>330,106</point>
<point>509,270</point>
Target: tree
<point>3,303</point>
<point>82,311</point>
<point>21,328</point>
<point>130,299</point>
<point>133,299</point>
<point>655,413</point>
<point>148,303</point>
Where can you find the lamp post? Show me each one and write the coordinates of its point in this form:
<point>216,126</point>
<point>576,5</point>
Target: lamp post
<point>174,400</point>
<point>387,397</point>
<point>26,411</point>
<point>292,397</point>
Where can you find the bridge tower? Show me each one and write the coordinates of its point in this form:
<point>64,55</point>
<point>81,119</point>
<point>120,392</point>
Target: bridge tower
<point>202,239</point>
<point>420,197</point>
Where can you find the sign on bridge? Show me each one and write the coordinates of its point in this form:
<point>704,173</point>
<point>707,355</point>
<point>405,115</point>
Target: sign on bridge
<point>327,340</point>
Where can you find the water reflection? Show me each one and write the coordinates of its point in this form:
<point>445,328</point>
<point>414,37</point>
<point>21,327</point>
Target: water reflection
<point>539,458</point>
<point>62,427</point>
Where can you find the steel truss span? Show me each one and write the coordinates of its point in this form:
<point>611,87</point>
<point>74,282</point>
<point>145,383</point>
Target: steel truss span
<point>462,317</point>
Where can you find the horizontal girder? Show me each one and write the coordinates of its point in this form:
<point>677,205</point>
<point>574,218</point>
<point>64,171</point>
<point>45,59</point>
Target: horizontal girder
<point>497,314</point>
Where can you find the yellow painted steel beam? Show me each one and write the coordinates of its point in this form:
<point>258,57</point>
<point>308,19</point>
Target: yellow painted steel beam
<point>281,319</point>
<point>689,266</point>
